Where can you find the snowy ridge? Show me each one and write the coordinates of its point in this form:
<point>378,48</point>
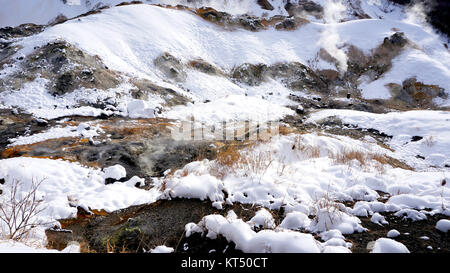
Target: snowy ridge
<point>129,38</point>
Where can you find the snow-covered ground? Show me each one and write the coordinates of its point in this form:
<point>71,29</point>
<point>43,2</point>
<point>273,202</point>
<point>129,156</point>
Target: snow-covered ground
<point>432,126</point>
<point>64,186</point>
<point>129,38</point>
<point>45,11</point>
<point>309,175</point>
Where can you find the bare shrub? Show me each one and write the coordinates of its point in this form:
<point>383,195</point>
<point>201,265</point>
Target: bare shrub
<point>326,211</point>
<point>19,210</point>
<point>308,150</point>
<point>232,158</point>
<point>365,159</point>
<point>348,156</point>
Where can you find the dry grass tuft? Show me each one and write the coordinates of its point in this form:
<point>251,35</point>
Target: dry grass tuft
<point>234,157</point>
<point>348,156</point>
<point>309,151</point>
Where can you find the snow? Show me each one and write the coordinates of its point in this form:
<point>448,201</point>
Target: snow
<point>393,233</point>
<point>47,10</point>
<point>83,130</point>
<point>272,188</point>
<point>262,219</point>
<point>296,221</point>
<point>443,225</point>
<point>162,249</point>
<point>305,181</point>
<point>140,109</point>
<point>66,185</point>
<point>10,246</point>
<point>231,108</point>
<point>411,63</point>
<point>433,126</point>
<point>193,186</point>
<point>386,245</point>
<point>117,172</point>
<point>120,35</point>
<point>378,219</point>
<point>249,241</point>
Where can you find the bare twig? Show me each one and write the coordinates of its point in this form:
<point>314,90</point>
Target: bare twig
<point>18,211</point>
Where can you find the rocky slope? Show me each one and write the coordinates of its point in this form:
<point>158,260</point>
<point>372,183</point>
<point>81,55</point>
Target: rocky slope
<point>94,97</point>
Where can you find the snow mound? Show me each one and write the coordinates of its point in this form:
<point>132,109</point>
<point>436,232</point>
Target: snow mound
<point>67,185</point>
<point>249,241</point>
<point>116,172</point>
<point>443,225</point>
<point>386,245</point>
<point>393,233</point>
<point>162,249</point>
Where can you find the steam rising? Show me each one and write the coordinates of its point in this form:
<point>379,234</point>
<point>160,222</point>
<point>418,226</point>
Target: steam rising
<point>334,12</point>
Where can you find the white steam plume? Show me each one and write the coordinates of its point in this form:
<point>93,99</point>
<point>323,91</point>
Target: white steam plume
<point>334,11</point>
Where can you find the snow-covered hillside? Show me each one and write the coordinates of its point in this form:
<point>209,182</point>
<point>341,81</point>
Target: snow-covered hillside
<point>45,11</point>
<point>128,39</point>
<point>357,91</point>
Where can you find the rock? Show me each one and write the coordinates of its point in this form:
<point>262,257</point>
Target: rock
<point>205,67</point>
<point>63,84</point>
<point>59,238</point>
<point>171,67</point>
<point>65,67</point>
<point>116,172</point>
<point>265,4</point>
<point>145,88</point>
<point>291,23</point>
<point>370,245</point>
<point>416,138</point>
<point>20,31</point>
<point>398,39</point>
<point>249,74</point>
<point>145,226</point>
<point>416,93</point>
<point>304,6</point>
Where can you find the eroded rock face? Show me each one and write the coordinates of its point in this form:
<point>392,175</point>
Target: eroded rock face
<point>301,7</point>
<point>416,93</point>
<point>380,62</point>
<point>265,4</point>
<point>20,31</point>
<point>294,75</point>
<point>248,22</point>
<point>144,88</point>
<point>205,67</point>
<point>66,67</point>
<point>250,74</point>
<point>171,67</point>
<point>290,23</point>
